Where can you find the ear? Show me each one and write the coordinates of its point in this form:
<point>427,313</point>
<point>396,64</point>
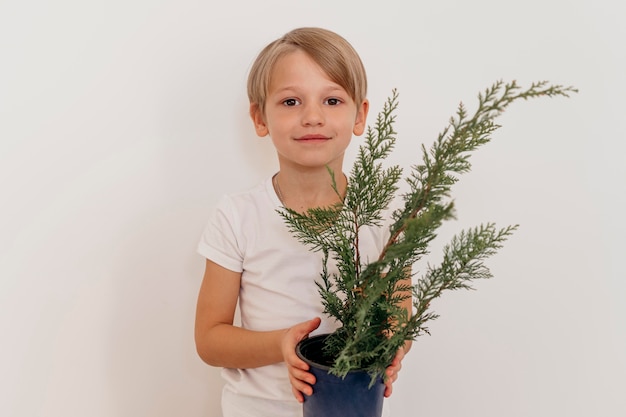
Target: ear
<point>256,114</point>
<point>361,118</point>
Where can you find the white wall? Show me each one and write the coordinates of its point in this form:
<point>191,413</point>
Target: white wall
<point>121,122</point>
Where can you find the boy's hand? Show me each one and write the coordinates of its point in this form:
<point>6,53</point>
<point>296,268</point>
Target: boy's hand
<point>301,380</point>
<point>392,371</point>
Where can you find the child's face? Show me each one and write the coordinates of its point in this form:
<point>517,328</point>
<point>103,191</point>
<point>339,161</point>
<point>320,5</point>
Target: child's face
<point>310,118</point>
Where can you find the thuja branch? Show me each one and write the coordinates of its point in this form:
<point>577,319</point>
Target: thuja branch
<point>462,263</point>
<point>448,157</point>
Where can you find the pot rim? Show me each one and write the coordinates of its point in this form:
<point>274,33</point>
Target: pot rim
<point>314,339</point>
<point>309,340</point>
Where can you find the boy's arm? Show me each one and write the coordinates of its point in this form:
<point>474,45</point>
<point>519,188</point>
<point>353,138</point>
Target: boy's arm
<point>220,343</point>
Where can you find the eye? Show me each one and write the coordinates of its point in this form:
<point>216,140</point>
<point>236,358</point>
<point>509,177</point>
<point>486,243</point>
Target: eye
<point>291,102</point>
<point>333,101</point>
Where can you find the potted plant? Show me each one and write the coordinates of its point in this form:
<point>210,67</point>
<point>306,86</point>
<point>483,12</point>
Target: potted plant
<point>365,295</point>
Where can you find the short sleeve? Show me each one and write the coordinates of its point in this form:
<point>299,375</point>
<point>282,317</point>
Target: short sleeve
<point>219,242</point>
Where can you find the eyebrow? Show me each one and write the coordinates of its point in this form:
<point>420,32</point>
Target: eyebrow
<point>328,90</point>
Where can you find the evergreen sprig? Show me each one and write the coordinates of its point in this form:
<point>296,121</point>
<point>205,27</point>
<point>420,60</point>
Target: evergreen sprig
<point>365,296</point>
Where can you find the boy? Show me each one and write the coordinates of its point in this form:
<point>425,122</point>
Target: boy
<point>307,91</point>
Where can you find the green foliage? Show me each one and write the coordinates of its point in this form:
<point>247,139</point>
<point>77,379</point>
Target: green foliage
<point>365,296</point>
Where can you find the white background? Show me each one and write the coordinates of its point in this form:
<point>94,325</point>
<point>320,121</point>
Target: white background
<point>122,122</point>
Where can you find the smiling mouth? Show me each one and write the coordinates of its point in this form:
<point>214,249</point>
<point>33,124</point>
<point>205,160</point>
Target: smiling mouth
<point>312,138</point>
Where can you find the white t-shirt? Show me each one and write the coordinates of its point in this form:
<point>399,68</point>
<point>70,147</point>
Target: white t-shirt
<point>246,234</point>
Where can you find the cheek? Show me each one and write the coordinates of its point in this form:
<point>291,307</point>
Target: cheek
<point>282,122</point>
<point>349,123</point>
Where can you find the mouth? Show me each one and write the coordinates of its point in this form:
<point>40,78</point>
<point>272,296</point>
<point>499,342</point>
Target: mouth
<point>312,138</point>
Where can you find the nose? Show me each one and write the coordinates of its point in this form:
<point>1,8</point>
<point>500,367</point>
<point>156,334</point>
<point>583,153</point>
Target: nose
<point>312,115</point>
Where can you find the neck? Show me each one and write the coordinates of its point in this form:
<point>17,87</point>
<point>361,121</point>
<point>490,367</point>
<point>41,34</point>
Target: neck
<point>301,193</point>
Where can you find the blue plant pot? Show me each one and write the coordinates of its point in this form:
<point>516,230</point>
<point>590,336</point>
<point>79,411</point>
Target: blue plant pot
<point>334,396</point>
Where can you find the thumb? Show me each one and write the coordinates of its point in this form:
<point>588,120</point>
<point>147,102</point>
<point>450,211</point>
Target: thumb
<point>313,324</point>
<point>307,327</point>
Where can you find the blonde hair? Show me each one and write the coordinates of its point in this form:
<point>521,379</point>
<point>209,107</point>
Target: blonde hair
<point>337,58</point>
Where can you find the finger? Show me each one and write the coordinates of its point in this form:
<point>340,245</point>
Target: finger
<point>388,390</point>
<point>300,375</point>
<point>391,377</point>
<point>397,366</point>
<point>297,394</point>
<point>394,367</point>
<point>300,387</point>
<point>309,326</point>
